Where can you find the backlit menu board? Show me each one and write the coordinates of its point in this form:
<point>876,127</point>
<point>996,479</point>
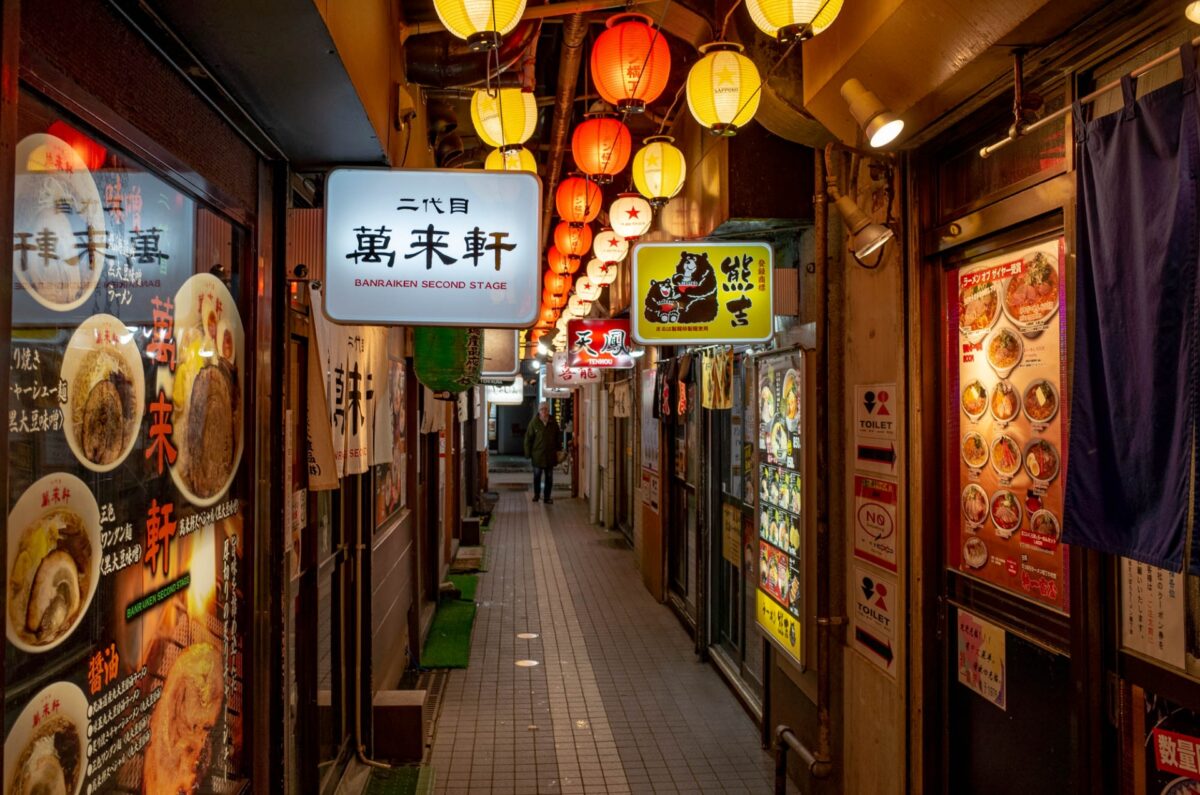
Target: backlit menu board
<point>125,603</point>
<point>1006,332</point>
<point>780,503</point>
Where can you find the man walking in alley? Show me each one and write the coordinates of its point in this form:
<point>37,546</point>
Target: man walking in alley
<point>542,441</point>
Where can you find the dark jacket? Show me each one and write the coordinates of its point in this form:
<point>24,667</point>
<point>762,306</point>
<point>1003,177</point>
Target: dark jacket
<point>542,442</point>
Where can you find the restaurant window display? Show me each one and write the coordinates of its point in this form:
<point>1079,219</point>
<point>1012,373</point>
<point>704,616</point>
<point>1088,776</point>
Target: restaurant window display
<point>126,556</point>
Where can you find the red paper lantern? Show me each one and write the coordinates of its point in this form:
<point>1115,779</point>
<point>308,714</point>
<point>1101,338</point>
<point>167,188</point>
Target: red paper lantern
<point>561,263</point>
<point>577,200</point>
<point>548,314</point>
<point>555,300</point>
<point>630,62</point>
<point>601,147</point>
<point>557,283</point>
<point>572,239</point>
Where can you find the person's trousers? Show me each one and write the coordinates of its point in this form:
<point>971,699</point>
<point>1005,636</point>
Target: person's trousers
<point>540,475</point>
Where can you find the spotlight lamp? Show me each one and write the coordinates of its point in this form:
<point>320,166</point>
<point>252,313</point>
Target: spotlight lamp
<point>879,124</point>
<point>789,20</point>
<point>866,236</point>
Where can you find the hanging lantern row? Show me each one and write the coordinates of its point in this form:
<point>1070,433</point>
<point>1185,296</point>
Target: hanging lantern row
<point>723,88</point>
<point>609,246</point>
<point>630,62</point>
<point>574,240</point>
<point>511,158</point>
<point>659,170</point>
<point>577,200</point>
<point>503,117</point>
<point>630,215</point>
<point>480,22</point>
<point>601,146</point>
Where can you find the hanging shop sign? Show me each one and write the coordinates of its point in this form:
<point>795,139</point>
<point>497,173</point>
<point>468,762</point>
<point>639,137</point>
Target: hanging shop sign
<point>1152,612</point>
<point>433,247</point>
<point>1006,371</point>
<point>125,574</point>
<point>874,617</point>
<point>561,375</point>
<point>512,394</point>
<point>599,343</point>
<point>447,360</point>
<point>781,502</point>
<point>981,653</point>
<point>701,292</point>
<point>501,353</point>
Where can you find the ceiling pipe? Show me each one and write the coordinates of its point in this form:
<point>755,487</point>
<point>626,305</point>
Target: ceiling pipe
<point>574,29</point>
<point>442,61</point>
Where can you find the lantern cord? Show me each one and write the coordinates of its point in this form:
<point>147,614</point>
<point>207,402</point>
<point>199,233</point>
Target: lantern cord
<point>667,116</point>
<point>729,16</point>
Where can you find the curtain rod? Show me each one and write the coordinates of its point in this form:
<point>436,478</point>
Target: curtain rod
<point>1092,97</point>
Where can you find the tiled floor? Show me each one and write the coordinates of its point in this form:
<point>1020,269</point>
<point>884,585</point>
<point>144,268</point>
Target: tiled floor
<point>618,701</point>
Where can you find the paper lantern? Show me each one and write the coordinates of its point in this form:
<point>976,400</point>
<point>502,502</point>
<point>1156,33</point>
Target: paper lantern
<point>587,289</point>
<point>601,272</point>
<point>556,282</point>
<point>572,239</point>
<point>601,146</point>
<point>511,158</point>
<point>561,263</point>
<point>548,314</point>
<point>578,306</point>
<point>723,88</point>
<point>577,200</point>
<point>447,359</point>
<point>630,62</point>
<point>787,20</point>
<point>503,116</point>
<point>659,170</point>
<point>630,215</point>
<point>554,300</point>
<point>480,22</point>
<point>609,246</point>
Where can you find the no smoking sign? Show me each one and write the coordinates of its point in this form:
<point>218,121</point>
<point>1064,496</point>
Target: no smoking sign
<point>875,521</point>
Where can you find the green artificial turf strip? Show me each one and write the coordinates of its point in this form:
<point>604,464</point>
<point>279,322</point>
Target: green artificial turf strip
<point>467,584</point>
<point>449,643</point>
<point>396,781</point>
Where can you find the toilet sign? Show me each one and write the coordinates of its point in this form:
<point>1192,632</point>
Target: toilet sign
<point>875,528</point>
<point>875,617</point>
<point>876,419</point>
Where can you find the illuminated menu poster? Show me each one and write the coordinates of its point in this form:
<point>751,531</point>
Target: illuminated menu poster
<point>125,604</point>
<point>391,478</point>
<point>1007,365</point>
<point>781,499</point>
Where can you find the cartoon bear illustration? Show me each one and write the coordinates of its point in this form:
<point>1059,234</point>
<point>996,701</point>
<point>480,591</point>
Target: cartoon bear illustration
<point>662,302</point>
<point>695,280</point>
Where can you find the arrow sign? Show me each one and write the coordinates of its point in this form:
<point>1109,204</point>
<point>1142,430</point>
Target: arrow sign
<point>879,455</point>
<point>882,648</point>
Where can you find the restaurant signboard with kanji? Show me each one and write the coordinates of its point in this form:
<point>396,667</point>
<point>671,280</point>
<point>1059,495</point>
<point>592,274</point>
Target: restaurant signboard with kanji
<point>433,247</point>
<point>698,292</point>
<point>600,343</point>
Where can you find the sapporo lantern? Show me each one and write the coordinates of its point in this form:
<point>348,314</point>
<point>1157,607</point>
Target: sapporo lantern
<point>723,88</point>
<point>609,246</point>
<point>587,289</point>
<point>630,62</point>
<point>574,240</point>
<point>447,359</point>
<point>480,22</point>
<point>630,215</point>
<point>788,20</point>
<point>601,146</point>
<point>577,200</point>
<point>659,170</point>
<point>601,272</point>
<point>511,158</point>
<point>561,263</point>
<point>503,117</point>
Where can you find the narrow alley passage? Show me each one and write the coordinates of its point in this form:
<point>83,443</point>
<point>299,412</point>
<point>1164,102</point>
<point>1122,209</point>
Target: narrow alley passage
<point>618,701</point>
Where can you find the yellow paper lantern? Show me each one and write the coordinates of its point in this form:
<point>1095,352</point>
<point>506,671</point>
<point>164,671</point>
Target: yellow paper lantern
<point>511,158</point>
<point>787,20</point>
<point>503,117</point>
<point>480,22</point>
<point>723,88</point>
<point>630,215</point>
<point>659,170</point>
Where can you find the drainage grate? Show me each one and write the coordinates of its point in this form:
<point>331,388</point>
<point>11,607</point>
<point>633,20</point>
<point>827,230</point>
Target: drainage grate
<point>433,682</point>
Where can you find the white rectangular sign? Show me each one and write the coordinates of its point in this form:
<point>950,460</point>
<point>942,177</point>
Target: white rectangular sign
<point>876,420</point>
<point>501,349</point>
<point>433,247</point>
<point>508,395</point>
<point>561,375</point>
<point>875,617</point>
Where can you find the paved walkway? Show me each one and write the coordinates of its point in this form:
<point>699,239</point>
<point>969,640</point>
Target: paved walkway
<point>617,702</point>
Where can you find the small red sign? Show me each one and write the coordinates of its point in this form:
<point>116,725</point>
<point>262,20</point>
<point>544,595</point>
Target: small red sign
<point>599,343</point>
<point>1176,753</point>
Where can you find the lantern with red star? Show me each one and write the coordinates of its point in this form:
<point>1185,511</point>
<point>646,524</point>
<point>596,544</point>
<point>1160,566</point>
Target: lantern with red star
<point>630,215</point>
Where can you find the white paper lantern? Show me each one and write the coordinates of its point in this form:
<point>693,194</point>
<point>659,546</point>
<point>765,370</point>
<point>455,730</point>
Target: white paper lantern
<point>578,306</point>
<point>608,246</point>
<point>601,272</point>
<point>587,289</point>
<point>630,215</point>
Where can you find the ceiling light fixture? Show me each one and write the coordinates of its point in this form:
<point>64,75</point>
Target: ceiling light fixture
<point>879,124</point>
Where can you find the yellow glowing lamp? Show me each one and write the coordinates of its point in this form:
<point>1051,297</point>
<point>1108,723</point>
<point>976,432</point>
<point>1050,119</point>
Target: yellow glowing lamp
<point>723,88</point>
<point>630,215</point>
<point>658,170</point>
<point>480,22</point>
<point>511,158</point>
<point>788,20</point>
<point>503,117</point>
<point>608,246</point>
